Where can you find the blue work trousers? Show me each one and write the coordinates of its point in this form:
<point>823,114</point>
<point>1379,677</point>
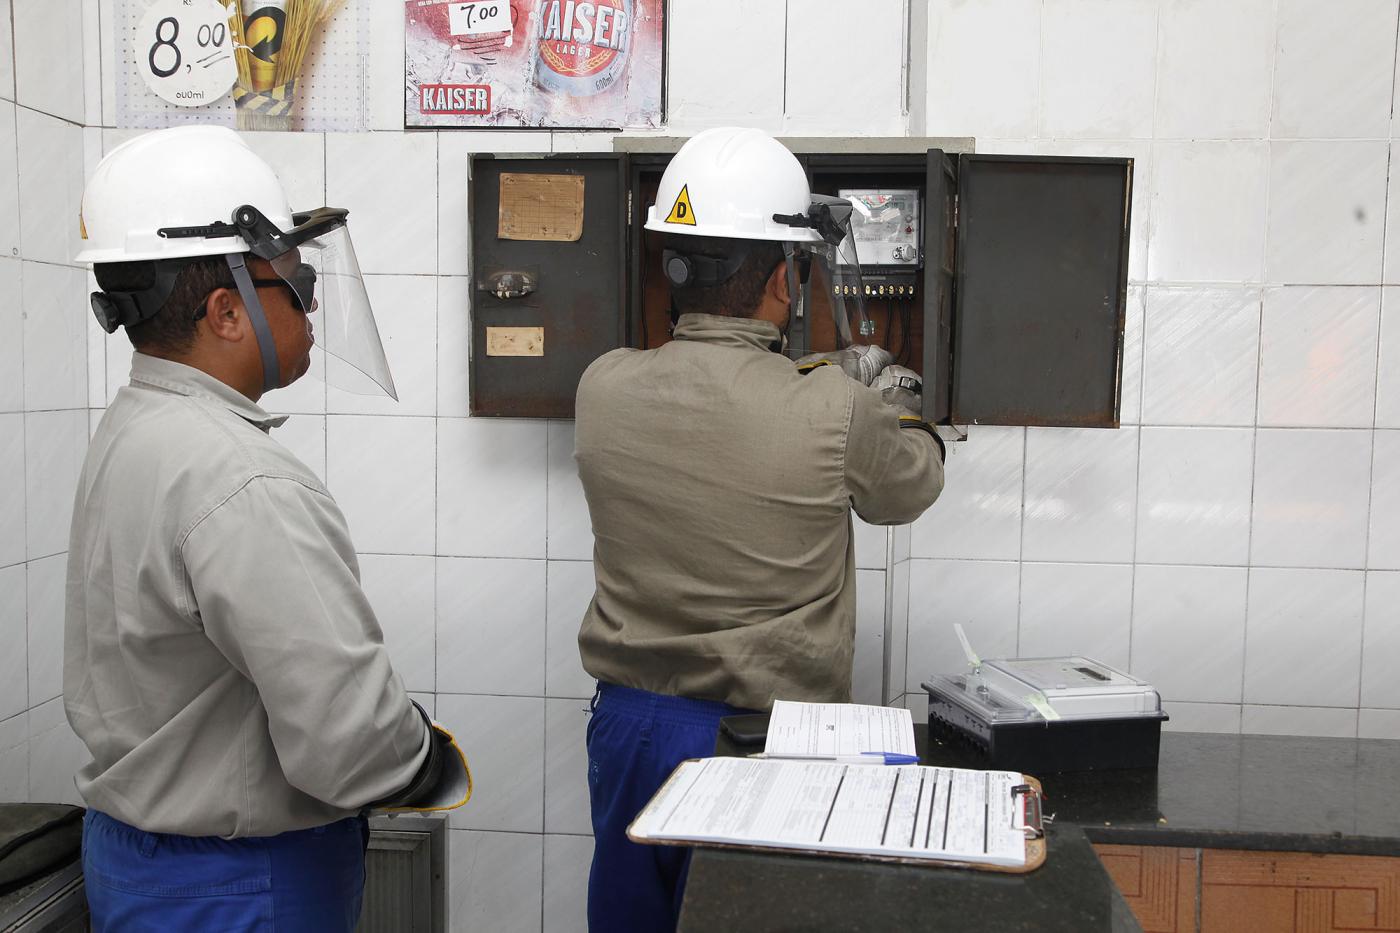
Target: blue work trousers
<point>635,740</point>
<point>140,882</point>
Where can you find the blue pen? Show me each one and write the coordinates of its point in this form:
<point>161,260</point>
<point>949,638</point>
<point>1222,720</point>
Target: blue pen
<point>864,758</point>
<point>878,758</point>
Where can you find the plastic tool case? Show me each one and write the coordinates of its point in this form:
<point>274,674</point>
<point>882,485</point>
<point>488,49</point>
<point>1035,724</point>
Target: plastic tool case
<point>1041,715</point>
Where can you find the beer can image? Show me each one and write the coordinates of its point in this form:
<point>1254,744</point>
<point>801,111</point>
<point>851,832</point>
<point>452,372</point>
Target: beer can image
<point>582,46</point>
<point>264,28</point>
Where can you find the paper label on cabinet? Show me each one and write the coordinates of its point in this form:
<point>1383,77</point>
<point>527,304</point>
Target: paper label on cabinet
<point>540,207</point>
<point>515,341</point>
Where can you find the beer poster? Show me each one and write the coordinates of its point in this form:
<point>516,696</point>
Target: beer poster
<point>585,64</point>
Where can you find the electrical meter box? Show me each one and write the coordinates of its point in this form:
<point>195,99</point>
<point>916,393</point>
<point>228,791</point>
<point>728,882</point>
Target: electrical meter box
<point>1042,715</point>
<point>1000,279</point>
<point>886,240</point>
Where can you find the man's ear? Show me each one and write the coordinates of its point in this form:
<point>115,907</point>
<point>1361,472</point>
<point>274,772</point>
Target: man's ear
<point>777,285</point>
<point>223,314</point>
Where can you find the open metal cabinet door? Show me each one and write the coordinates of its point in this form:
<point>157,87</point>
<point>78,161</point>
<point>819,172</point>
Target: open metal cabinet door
<point>940,239</point>
<point>548,277</point>
<point>1040,290</point>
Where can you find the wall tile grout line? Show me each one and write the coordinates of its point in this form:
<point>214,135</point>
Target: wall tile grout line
<point>1249,545</point>
<point>921,557</point>
<point>1137,483</point>
<point>1258,372</point>
<point>1375,400</point>
<point>1157,563</point>
<point>1021,542</point>
<point>786,40</point>
<point>513,832</point>
<point>53,116</point>
<point>544,665</point>
<point>1147,424</point>
<point>437,427</point>
<point>1039,133</point>
<point>24,423</point>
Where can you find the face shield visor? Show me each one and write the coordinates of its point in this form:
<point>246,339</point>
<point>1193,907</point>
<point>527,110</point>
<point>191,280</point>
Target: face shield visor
<point>317,258</point>
<point>824,273</point>
<point>316,261</point>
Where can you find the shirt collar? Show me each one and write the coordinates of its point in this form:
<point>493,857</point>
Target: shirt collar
<point>739,332</point>
<point>154,372</point>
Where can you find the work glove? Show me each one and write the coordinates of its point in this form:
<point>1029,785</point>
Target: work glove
<point>901,387</point>
<point>861,362</point>
<point>443,783</point>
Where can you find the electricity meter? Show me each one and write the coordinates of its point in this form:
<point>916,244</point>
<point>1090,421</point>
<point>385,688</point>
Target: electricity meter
<point>885,226</point>
<point>886,235</point>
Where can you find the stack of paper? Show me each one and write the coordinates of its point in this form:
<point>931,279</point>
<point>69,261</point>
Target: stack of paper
<point>901,812</point>
<point>837,730</point>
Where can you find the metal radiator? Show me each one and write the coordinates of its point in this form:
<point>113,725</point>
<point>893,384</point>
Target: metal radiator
<point>406,876</point>
<point>55,904</point>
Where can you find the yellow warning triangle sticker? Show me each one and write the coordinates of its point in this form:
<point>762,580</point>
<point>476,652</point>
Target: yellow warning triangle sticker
<point>681,211</point>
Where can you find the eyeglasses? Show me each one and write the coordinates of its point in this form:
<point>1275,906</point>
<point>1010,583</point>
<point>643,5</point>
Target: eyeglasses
<point>301,279</point>
<point>280,283</point>
<point>301,282</point>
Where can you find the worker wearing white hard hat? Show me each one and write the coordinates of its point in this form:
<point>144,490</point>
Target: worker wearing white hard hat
<point>739,189</point>
<point>153,201</point>
<point>221,662</point>
<point>720,478</point>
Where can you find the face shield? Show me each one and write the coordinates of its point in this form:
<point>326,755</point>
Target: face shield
<point>317,253</point>
<point>316,260</point>
<point>824,272</point>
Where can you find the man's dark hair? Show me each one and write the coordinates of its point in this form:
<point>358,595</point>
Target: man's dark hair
<point>173,327</point>
<point>740,294</point>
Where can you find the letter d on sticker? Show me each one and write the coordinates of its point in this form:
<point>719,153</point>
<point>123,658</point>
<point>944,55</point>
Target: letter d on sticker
<point>681,211</point>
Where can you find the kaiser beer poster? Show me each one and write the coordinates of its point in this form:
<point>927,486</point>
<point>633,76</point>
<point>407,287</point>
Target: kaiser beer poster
<point>588,64</point>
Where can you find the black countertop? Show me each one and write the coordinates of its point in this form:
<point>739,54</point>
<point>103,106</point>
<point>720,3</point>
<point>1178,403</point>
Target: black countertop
<point>1213,791</point>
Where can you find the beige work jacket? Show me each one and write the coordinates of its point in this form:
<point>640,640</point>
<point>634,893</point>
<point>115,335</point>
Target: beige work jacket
<point>720,484</point>
<point>221,662</point>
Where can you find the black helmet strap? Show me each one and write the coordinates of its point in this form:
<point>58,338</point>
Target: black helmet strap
<point>117,309</point>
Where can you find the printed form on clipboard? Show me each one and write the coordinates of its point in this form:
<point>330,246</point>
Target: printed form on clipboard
<point>837,730</point>
<point>917,815</point>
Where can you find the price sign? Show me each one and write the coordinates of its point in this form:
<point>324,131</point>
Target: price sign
<point>184,50</point>
<point>469,19</point>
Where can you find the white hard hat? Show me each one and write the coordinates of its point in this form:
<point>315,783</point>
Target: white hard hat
<point>729,182</point>
<point>185,176</point>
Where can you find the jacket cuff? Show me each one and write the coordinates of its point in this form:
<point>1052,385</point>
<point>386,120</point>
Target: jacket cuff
<point>426,779</point>
<point>911,421</point>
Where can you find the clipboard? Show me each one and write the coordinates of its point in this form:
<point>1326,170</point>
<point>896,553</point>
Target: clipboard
<point>1026,799</point>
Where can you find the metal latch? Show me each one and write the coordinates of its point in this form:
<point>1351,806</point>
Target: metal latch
<point>506,285</point>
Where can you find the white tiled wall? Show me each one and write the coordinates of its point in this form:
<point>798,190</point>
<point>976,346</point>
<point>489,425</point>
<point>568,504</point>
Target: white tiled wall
<point>1239,545</point>
<point>1334,76</point>
<point>44,390</point>
<point>1194,495</point>
<point>1317,356</point>
<point>1200,355</point>
<point>1236,542</point>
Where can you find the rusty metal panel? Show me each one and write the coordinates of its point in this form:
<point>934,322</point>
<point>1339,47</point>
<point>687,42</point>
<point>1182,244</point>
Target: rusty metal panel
<point>1040,290</point>
<point>542,309</point>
